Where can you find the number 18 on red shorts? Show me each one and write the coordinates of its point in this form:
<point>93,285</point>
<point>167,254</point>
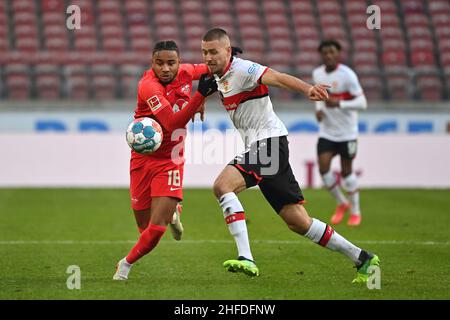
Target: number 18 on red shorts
<point>154,178</point>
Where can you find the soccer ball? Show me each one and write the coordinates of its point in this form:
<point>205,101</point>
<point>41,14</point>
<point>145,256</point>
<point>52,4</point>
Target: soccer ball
<point>144,135</point>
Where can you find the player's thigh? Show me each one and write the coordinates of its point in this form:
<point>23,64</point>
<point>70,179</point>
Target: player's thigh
<point>141,176</point>
<point>346,166</point>
<point>326,150</point>
<point>229,180</point>
<point>347,152</point>
<point>162,210</point>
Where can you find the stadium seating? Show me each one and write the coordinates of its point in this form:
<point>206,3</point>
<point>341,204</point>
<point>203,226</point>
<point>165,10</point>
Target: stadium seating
<point>409,58</point>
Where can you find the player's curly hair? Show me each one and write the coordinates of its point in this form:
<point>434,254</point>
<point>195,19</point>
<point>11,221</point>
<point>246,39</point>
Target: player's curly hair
<point>166,45</point>
<point>329,43</point>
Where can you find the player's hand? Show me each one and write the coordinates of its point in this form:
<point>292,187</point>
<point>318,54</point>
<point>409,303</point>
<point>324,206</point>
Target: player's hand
<point>318,92</point>
<point>207,85</point>
<point>200,110</point>
<point>332,103</point>
<point>319,115</point>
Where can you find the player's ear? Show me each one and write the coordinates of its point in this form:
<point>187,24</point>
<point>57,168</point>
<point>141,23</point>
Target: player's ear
<point>229,51</point>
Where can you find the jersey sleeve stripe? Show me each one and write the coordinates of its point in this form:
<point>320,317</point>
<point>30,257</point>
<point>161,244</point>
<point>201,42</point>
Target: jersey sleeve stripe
<point>232,102</point>
<point>342,96</point>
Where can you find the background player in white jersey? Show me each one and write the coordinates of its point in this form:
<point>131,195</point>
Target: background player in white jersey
<point>338,118</point>
<point>243,86</point>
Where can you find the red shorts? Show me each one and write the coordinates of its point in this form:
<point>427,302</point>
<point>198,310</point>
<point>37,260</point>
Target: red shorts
<point>154,178</point>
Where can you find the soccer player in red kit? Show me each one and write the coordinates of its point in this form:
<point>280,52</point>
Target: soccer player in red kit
<point>156,179</point>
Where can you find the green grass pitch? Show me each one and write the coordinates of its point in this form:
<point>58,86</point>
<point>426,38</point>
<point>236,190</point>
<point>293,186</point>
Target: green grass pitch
<point>43,231</point>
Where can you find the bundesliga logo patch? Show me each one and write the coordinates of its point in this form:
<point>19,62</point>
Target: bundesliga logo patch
<point>154,103</point>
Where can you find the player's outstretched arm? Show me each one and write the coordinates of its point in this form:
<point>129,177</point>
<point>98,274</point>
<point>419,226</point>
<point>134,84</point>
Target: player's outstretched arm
<point>174,120</point>
<point>357,103</point>
<point>317,92</point>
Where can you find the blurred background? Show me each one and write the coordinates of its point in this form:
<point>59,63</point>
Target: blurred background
<point>56,80</point>
<point>407,59</point>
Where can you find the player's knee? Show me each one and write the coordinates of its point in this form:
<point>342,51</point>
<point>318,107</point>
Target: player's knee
<point>219,188</point>
<point>346,173</point>
<point>299,227</point>
<point>323,169</point>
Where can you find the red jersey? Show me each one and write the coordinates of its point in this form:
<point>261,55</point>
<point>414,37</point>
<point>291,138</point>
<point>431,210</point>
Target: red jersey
<point>153,96</point>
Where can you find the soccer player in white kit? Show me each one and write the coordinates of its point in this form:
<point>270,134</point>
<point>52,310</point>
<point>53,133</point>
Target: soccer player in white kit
<point>338,119</point>
<point>243,86</point>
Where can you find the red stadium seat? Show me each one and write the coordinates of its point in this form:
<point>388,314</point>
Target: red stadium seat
<point>445,60</point>
<point>129,78</point>
<point>391,33</point>
<point>399,85</point>
<point>18,81</point>
<point>136,6</point>
<point>355,7</point>
<point>413,20</point>
<point>436,6</point>
<point>393,45</point>
<point>365,61</point>
<point>419,32</point>
<point>306,62</point>
<point>300,6</point>
<point>160,7</point>
<point>363,45</point>
<point>441,20</point>
<point>57,43</point>
<point>358,19</point>
<point>48,81</point>
<point>218,7</point>
<point>85,44</point>
<point>328,6</point>
<point>372,86</point>
<point>20,6</point>
<point>27,44</point>
<point>246,6</point>
<point>422,58</point>
<point>274,7</point>
<point>420,44</point>
<point>331,20</point>
<point>113,44</point>
<point>386,6</point>
<point>429,87</point>
<point>104,81</point>
<point>394,58</point>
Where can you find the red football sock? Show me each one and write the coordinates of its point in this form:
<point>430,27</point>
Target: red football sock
<point>140,230</point>
<point>147,241</point>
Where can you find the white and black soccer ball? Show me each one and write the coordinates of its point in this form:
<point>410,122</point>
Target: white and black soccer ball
<point>144,135</point>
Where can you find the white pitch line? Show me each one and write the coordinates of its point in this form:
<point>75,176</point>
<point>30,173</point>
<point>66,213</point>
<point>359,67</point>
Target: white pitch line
<point>205,241</point>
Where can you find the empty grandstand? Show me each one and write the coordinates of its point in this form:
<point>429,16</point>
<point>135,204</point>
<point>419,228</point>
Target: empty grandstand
<point>407,59</point>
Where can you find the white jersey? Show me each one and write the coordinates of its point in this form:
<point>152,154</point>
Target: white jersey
<point>248,103</point>
<point>339,124</point>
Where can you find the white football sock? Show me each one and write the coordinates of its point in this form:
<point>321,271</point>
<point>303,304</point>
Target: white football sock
<point>233,213</point>
<point>323,234</point>
<point>330,182</point>
<point>351,186</point>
